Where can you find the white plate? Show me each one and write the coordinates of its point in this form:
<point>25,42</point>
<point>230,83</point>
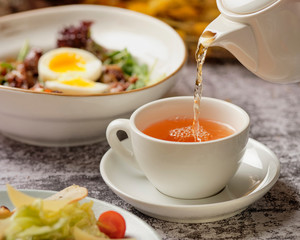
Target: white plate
<point>135,227</point>
<point>258,172</point>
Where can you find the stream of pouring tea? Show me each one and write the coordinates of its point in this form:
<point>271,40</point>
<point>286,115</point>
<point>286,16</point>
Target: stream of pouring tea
<point>205,41</point>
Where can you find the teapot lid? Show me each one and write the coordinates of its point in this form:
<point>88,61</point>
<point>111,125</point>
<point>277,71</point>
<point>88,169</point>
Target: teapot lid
<point>246,6</point>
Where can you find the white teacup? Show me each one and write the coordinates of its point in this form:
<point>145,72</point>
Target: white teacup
<point>180,169</point>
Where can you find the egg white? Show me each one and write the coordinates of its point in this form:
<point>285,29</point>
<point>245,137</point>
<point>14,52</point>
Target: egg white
<point>68,61</point>
<point>76,86</point>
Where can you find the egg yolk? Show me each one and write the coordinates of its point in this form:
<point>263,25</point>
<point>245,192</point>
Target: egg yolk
<point>78,82</point>
<point>65,62</point>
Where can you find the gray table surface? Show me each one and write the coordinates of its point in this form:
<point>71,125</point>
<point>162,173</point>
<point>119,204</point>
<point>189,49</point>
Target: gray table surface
<point>275,121</point>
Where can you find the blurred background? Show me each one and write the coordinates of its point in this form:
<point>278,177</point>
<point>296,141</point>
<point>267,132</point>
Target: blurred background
<point>188,17</point>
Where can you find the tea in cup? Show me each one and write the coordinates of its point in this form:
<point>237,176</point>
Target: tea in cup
<point>188,169</point>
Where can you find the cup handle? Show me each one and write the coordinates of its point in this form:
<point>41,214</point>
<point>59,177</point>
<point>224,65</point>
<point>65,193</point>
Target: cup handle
<point>116,144</point>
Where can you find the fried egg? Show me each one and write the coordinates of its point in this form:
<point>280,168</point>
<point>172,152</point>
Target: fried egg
<point>60,62</point>
<point>76,86</point>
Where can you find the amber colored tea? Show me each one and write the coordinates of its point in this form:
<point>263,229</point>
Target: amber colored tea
<point>182,130</point>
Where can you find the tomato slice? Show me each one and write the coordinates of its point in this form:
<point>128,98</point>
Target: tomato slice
<point>112,224</point>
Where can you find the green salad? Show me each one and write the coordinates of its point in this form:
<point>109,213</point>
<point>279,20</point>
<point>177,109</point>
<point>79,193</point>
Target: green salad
<point>77,65</point>
<point>59,217</point>
<point>33,223</point>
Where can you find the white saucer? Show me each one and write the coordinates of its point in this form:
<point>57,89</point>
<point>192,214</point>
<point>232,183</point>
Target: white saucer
<point>258,172</point>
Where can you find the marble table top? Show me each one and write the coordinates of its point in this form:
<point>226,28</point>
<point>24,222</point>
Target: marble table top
<point>275,121</point>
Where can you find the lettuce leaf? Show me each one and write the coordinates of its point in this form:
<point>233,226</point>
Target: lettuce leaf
<point>32,222</point>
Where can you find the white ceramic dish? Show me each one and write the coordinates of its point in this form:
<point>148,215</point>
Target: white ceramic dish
<point>61,120</point>
<point>258,172</point>
<point>135,227</point>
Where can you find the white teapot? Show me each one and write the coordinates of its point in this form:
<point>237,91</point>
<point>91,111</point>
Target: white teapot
<point>264,35</point>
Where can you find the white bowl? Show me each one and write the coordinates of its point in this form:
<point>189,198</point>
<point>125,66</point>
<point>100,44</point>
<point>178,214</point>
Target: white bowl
<point>49,119</point>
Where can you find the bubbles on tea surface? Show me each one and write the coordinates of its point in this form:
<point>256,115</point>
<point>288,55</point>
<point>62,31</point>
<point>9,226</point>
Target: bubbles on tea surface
<point>186,134</point>
<point>180,129</point>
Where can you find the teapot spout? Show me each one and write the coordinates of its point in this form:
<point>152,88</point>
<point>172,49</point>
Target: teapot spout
<point>236,37</point>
